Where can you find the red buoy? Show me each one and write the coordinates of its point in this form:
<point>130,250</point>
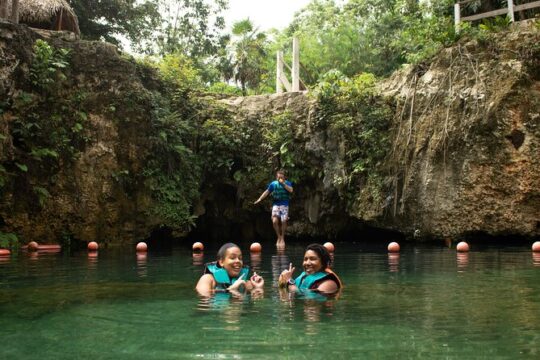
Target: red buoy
<point>141,247</point>
<point>198,246</point>
<point>536,246</point>
<point>4,252</point>
<point>93,246</point>
<point>393,247</point>
<point>33,246</point>
<point>255,247</point>
<point>462,247</point>
<point>329,246</point>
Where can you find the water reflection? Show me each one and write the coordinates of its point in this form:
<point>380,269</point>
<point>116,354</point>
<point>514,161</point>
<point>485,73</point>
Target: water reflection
<point>462,261</point>
<point>536,258</point>
<point>255,262</point>
<point>142,268</point>
<point>92,259</point>
<point>33,255</point>
<point>280,262</point>
<point>5,259</point>
<point>229,305</point>
<point>393,262</point>
<point>198,258</point>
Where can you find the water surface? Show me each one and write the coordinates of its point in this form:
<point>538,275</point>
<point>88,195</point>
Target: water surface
<point>427,302</point>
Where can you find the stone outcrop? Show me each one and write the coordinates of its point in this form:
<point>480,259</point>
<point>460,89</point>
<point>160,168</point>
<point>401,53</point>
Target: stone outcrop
<point>465,155</point>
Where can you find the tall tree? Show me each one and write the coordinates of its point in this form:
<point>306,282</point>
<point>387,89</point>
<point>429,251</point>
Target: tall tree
<point>112,20</point>
<point>190,26</point>
<point>249,54</point>
<point>154,26</point>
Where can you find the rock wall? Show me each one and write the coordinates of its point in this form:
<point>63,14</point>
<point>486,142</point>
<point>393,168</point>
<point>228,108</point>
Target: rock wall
<point>87,198</point>
<point>467,143</point>
<point>464,157</point>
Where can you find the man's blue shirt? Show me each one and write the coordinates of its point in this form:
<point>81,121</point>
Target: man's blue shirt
<point>279,193</point>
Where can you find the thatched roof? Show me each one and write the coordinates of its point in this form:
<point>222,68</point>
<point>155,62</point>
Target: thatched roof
<point>37,11</point>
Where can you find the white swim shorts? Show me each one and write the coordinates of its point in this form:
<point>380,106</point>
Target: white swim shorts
<point>281,211</point>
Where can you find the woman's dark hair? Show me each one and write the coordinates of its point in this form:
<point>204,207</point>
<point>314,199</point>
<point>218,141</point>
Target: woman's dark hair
<point>223,249</point>
<point>322,253</point>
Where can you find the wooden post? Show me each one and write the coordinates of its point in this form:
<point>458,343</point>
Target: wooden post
<point>3,9</point>
<point>511,10</point>
<point>15,11</point>
<point>279,72</point>
<point>296,66</point>
<point>457,16</point>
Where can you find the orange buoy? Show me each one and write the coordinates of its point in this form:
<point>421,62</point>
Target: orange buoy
<point>198,246</point>
<point>141,247</point>
<point>329,246</point>
<point>536,246</point>
<point>255,247</point>
<point>93,246</point>
<point>33,246</point>
<point>393,247</point>
<point>4,252</point>
<point>462,247</point>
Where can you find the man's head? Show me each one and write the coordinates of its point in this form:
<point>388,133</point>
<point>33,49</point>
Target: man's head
<point>280,174</point>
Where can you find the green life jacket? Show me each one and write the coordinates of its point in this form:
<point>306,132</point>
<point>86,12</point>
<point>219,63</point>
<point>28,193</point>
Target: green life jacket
<point>305,282</point>
<point>221,276</point>
<point>280,193</point>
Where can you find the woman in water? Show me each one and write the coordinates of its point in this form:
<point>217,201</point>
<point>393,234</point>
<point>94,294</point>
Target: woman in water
<point>228,273</point>
<point>317,276</point>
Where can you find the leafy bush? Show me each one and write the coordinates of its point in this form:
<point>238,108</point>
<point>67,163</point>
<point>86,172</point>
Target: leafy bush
<point>224,88</point>
<point>48,65</point>
<point>360,118</point>
<point>8,240</point>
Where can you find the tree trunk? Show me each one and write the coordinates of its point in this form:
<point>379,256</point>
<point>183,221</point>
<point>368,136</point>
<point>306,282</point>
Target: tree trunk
<point>15,11</point>
<point>3,9</point>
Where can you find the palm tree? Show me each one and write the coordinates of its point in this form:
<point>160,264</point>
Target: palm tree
<point>249,54</point>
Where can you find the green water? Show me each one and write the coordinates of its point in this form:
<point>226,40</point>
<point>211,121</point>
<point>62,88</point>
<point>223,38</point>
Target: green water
<point>428,303</point>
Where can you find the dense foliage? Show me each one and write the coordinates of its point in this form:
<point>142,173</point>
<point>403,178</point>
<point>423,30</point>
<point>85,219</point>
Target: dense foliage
<point>47,131</point>
<point>352,36</point>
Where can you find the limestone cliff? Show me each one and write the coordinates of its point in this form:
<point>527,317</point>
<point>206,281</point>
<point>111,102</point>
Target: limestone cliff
<point>462,153</point>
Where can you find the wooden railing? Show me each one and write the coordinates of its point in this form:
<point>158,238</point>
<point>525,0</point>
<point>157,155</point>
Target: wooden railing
<point>509,11</point>
<point>281,79</point>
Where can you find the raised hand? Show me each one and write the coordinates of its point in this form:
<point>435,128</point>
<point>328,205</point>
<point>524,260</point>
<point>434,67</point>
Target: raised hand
<point>287,274</point>
<point>257,281</point>
<point>239,282</point>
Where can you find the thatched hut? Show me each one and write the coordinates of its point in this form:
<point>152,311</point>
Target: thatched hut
<point>48,14</point>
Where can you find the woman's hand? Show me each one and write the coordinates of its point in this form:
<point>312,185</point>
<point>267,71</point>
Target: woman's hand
<point>286,275</point>
<point>257,281</point>
<point>236,285</point>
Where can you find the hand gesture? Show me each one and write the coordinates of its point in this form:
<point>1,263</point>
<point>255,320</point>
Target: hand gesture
<point>236,285</point>
<point>257,281</point>
<point>286,275</point>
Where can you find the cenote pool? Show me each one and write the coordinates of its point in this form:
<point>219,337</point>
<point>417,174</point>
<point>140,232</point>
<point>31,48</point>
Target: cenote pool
<point>427,302</point>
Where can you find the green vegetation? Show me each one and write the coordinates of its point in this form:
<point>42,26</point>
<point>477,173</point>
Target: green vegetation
<point>352,37</point>
<point>8,240</point>
<point>46,130</point>
<point>360,118</point>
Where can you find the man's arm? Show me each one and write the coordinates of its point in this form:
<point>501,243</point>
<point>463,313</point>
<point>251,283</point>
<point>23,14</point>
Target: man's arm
<point>262,197</point>
<point>286,186</point>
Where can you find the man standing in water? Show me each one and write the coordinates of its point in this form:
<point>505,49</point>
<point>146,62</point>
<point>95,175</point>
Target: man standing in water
<point>281,189</point>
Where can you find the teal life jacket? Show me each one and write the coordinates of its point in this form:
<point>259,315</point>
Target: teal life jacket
<point>280,195</point>
<point>309,282</point>
<point>221,276</point>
